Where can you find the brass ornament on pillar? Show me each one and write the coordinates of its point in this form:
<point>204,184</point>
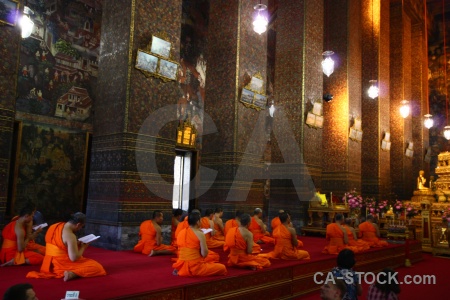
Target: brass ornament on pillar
<point>253,94</point>
<point>356,132</point>
<point>155,60</point>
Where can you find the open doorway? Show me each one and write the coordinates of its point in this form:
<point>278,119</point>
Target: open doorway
<point>183,187</point>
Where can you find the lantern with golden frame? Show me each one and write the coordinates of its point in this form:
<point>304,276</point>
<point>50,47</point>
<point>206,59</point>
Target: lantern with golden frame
<point>186,134</point>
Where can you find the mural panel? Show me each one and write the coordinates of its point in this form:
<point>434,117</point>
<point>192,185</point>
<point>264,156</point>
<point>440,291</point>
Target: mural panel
<point>50,171</point>
<point>59,62</point>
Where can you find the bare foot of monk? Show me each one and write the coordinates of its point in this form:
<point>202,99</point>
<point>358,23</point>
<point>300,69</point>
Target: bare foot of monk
<point>8,263</point>
<point>68,275</point>
<point>151,253</point>
<point>175,272</point>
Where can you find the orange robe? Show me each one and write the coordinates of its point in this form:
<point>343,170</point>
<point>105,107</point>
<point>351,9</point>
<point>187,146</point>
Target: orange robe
<point>219,235</point>
<point>283,246</point>
<point>210,242</point>
<point>275,223</point>
<point>212,256</point>
<point>190,262</point>
<point>147,243</point>
<point>33,252</point>
<point>57,260</point>
<point>368,233</point>
<point>238,252</point>
<point>230,224</point>
<point>335,236</point>
<point>257,233</point>
<point>359,245</point>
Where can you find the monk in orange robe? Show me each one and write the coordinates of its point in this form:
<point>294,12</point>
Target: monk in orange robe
<point>259,229</point>
<point>370,233</point>
<point>218,225</point>
<point>358,244</point>
<point>208,223</point>
<point>151,239</point>
<point>276,221</point>
<point>240,242</point>
<point>286,241</point>
<point>337,236</point>
<point>193,250</point>
<point>176,217</point>
<point>64,253</point>
<point>232,222</point>
<point>18,246</point>
<point>212,256</point>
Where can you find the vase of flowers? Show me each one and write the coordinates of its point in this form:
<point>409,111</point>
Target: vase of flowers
<point>410,212</point>
<point>382,207</point>
<point>398,208</point>
<point>354,202</point>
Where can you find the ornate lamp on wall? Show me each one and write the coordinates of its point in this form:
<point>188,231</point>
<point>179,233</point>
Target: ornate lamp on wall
<point>260,23</point>
<point>404,109</point>
<point>373,89</point>
<point>25,22</point>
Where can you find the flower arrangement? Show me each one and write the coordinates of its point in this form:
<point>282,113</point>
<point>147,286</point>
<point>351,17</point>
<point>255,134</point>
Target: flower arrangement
<point>382,206</point>
<point>398,207</point>
<point>353,199</point>
<point>446,215</point>
<point>410,210</point>
<point>375,207</point>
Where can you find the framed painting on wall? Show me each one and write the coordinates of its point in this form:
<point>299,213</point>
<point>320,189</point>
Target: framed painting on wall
<point>168,69</point>
<point>9,10</point>
<point>160,47</point>
<point>146,62</point>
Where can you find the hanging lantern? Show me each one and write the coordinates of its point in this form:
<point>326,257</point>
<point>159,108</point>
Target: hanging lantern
<point>404,109</point>
<point>373,89</point>
<point>186,135</point>
<point>328,63</point>
<point>260,23</point>
<point>428,121</point>
<point>447,132</point>
<point>271,110</point>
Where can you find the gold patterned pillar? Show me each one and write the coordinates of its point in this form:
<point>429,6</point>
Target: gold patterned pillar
<point>341,157</point>
<point>400,89</point>
<point>375,166</point>
<point>298,83</point>
<point>235,54</point>
<point>121,196</point>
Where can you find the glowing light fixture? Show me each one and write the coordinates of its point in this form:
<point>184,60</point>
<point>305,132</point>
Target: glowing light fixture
<point>260,23</point>
<point>373,89</point>
<point>272,109</point>
<point>328,63</point>
<point>404,109</point>
<point>447,132</point>
<point>428,121</point>
<point>25,22</point>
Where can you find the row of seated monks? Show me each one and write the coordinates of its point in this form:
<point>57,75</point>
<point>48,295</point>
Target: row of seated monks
<point>192,239</point>
<point>195,236</point>
<point>341,235</point>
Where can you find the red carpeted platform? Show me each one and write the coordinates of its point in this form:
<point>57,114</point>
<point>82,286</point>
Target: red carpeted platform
<point>135,276</point>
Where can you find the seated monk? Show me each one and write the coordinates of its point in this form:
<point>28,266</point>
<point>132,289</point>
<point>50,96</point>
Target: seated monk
<point>286,241</point>
<point>337,236</point>
<point>370,233</point>
<point>240,242</point>
<point>176,218</point>
<point>276,221</point>
<point>18,246</point>
<point>218,225</point>
<point>151,239</point>
<point>193,250</point>
<point>259,229</point>
<point>358,244</point>
<point>212,256</point>
<point>64,253</point>
<point>232,222</point>
<point>208,223</point>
